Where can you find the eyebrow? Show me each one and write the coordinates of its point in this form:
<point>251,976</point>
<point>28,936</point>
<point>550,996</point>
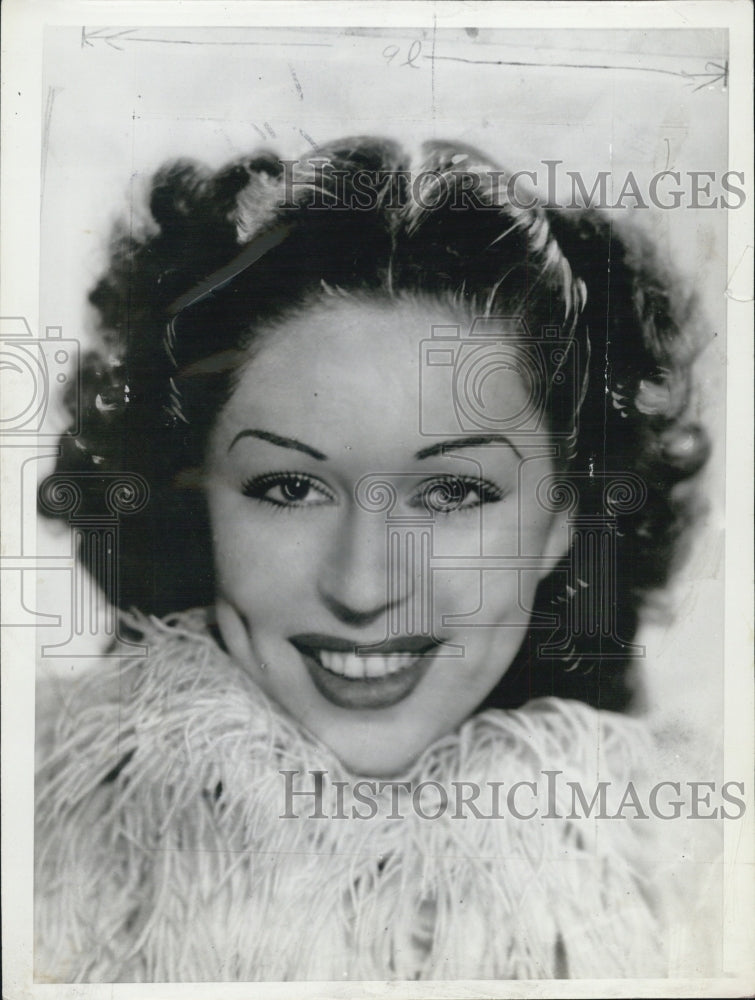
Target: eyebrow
<point>465,442</point>
<point>282,442</point>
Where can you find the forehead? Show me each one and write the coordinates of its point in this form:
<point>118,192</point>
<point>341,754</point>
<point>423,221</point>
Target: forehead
<point>359,360</point>
<point>364,332</point>
<point>333,350</point>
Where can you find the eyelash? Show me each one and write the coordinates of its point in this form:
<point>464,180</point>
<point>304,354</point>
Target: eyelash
<point>456,488</point>
<point>256,489</point>
<point>443,495</point>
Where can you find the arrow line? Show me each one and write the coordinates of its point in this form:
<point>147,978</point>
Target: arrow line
<point>722,71</point>
<point>89,36</point>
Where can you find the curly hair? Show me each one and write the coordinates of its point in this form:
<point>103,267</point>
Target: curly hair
<point>224,255</point>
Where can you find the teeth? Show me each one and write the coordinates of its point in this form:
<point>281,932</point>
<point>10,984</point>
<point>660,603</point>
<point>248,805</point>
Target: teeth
<point>351,665</point>
<point>375,666</point>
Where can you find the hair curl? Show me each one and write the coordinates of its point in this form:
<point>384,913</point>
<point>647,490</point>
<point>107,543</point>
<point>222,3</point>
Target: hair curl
<point>150,395</point>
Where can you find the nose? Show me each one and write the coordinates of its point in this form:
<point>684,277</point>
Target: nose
<point>355,583</point>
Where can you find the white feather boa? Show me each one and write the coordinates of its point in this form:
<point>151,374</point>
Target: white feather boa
<point>161,854</point>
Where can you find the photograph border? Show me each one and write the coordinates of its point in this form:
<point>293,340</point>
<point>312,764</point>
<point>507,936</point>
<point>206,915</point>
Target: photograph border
<point>24,26</point>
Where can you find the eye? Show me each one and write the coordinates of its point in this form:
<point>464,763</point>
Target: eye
<point>447,494</point>
<point>289,489</point>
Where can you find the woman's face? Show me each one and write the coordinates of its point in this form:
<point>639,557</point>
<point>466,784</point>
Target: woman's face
<point>355,524</point>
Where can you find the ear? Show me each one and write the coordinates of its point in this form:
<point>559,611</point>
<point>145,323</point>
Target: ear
<point>556,543</point>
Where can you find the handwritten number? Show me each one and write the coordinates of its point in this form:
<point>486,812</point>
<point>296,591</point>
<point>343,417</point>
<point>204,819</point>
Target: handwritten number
<point>390,52</point>
<point>414,50</point>
<point>412,54</point>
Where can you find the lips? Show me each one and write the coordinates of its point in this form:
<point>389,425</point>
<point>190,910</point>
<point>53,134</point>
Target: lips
<point>359,675</point>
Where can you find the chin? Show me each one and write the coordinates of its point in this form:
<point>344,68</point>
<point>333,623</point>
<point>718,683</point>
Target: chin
<point>373,765</point>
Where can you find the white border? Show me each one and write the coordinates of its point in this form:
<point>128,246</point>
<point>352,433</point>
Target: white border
<point>22,36</point>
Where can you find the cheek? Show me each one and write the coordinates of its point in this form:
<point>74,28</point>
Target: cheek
<point>260,559</point>
<point>493,603</point>
<point>469,593</point>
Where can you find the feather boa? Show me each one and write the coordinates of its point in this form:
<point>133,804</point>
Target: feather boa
<point>161,853</point>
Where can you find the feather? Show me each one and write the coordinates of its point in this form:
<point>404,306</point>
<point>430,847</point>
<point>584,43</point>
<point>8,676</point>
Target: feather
<point>162,855</point>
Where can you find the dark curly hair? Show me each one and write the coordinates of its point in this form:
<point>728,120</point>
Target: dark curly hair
<point>226,253</point>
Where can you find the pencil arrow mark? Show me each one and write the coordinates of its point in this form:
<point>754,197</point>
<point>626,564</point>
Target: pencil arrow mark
<point>112,36</point>
<point>714,72</point>
<point>89,37</point>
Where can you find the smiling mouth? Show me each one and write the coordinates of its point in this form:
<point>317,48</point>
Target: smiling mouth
<point>350,675</point>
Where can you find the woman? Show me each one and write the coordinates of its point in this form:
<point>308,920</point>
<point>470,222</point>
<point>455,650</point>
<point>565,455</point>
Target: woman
<point>416,446</point>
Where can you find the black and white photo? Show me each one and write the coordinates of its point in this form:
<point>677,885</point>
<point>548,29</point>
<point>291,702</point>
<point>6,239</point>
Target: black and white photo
<point>371,528</point>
